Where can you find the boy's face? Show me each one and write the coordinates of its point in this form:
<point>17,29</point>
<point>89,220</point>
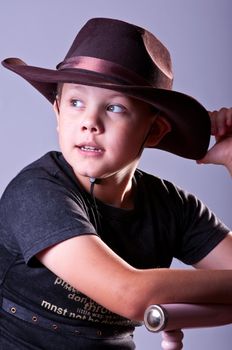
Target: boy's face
<point>101,132</point>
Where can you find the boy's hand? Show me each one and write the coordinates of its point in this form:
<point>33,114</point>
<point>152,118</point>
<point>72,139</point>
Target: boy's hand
<point>221,128</point>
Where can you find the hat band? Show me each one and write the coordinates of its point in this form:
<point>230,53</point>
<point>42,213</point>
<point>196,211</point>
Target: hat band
<point>108,68</point>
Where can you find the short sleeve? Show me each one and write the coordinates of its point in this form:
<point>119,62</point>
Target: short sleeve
<point>37,211</point>
<point>200,230</point>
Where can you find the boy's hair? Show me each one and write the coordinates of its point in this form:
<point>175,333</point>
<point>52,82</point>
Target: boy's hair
<point>58,91</point>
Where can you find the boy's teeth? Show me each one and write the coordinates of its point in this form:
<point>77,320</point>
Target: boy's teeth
<point>90,148</point>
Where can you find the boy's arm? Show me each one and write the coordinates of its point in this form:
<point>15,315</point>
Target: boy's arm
<point>221,128</point>
<point>220,257</point>
<point>91,267</point>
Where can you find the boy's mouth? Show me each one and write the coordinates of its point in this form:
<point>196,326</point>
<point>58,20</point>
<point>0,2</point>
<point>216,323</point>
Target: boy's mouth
<point>90,149</point>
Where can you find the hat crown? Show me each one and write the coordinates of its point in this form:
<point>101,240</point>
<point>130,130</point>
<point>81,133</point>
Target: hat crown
<point>126,45</point>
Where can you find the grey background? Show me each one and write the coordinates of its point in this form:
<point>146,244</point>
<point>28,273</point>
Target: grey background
<point>198,34</point>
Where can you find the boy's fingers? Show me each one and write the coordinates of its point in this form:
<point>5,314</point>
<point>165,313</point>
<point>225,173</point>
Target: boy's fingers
<point>214,128</point>
<point>229,117</point>
<point>221,121</point>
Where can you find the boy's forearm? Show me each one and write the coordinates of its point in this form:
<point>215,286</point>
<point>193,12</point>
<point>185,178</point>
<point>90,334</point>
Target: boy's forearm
<point>165,286</point>
<point>91,267</point>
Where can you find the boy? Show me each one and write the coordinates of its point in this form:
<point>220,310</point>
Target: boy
<point>86,238</point>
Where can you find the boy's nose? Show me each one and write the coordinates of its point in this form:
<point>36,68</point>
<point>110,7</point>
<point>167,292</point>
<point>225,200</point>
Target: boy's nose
<point>91,128</point>
<point>92,123</point>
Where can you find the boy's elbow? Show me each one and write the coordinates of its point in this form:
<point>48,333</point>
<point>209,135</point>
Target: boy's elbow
<point>134,299</point>
<point>143,288</point>
<point>135,311</point>
<point>134,306</point>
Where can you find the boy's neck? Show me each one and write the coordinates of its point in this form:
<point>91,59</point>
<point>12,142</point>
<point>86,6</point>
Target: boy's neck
<point>117,195</point>
<point>115,191</point>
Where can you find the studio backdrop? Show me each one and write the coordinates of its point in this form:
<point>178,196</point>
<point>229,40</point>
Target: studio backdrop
<point>198,35</point>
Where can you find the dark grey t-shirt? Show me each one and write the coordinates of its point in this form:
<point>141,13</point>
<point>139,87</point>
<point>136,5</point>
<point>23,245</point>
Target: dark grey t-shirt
<point>45,205</point>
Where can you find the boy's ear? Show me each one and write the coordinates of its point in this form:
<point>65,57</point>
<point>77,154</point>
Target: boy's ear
<point>159,129</point>
<point>56,106</point>
<point>57,112</point>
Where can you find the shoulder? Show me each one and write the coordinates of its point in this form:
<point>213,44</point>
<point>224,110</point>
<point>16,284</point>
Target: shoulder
<point>51,164</point>
<point>166,195</point>
<point>154,185</point>
<point>43,205</point>
<point>47,183</point>
<point>48,170</point>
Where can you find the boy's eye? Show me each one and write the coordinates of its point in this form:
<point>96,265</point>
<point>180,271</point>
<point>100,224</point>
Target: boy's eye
<point>116,108</point>
<point>77,103</point>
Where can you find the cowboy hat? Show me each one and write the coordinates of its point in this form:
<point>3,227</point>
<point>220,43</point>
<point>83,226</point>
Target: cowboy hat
<point>113,54</point>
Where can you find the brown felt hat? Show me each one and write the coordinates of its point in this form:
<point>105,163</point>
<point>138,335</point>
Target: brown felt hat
<point>116,55</point>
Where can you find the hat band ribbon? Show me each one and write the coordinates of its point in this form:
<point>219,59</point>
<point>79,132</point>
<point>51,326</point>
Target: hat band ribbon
<point>108,68</point>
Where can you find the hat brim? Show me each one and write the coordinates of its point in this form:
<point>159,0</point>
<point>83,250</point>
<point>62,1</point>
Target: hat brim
<point>190,134</point>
